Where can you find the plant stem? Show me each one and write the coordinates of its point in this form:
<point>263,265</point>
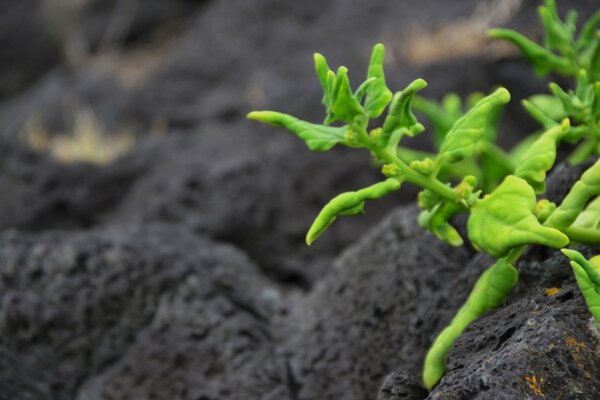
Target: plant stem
<point>387,156</point>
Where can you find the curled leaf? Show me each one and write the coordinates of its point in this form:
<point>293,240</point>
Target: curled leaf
<point>505,219</point>
<point>460,141</point>
<point>349,203</point>
<point>378,94</point>
<point>540,157</point>
<point>317,137</point>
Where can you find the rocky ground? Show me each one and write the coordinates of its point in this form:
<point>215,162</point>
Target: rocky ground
<point>179,270</point>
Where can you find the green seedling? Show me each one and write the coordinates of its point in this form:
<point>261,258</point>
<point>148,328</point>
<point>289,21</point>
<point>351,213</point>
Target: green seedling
<point>504,213</point>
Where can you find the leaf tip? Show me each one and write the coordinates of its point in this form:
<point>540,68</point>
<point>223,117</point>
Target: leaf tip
<point>503,95</point>
<point>256,115</point>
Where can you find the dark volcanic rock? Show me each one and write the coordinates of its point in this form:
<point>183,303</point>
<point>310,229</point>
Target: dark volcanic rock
<point>262,201</point>
<point>26,49</point>
<point>136,313</point>
<point>539,346</point>
<point>43,194</point>
<point>385,299</point>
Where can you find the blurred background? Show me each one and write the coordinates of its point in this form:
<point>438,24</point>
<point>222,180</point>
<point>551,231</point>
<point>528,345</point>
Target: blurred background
<point>123,118</point>
<point>108,107</point>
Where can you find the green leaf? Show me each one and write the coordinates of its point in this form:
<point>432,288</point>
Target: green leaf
<point>588,278</point>
<point>557,36</point>
<point>442,116</point>
<point>460,141</point>
<point>344,106</point>
<point>348,203</point>
<point>594,66</point>
<point>546,121</point>
<point>323,71</point>
<point>588,31</point>
<point>540,157</point>
<point>489,292</point>
<point>590,217</point>
<point>436,221</point>
<point>378,94</point>
<point>587,187</point>
<point>505,219</point>
<point>317,137</point>
<point>549,105</point>
<point>542,59</point>
<point>400,118</point>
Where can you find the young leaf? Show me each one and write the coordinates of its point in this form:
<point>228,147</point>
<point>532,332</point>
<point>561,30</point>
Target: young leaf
<point>317,137</point>
<point>378,94</point>
<point>505,219</point>
<point>400,115</point>
<point>460,141</point>
<point>489,292</point>
<point>323,71</point>
<point>542,59</point>
<point>583,190</point>
<point>348,203</point>
<point>540,157</point>
<point>344,106</point>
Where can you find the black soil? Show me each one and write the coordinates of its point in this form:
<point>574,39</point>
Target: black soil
<point>179,271</point>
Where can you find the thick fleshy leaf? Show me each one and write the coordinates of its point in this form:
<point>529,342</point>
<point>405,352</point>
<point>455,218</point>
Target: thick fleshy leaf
<point>460,141</point>
<point>400,119</point>
<point>542,59</point>
<point>378,94</point>
<point>505,219</point>
<point>436,221</point>
<point>317,137</point>
<point>349,203</point>
<point>489,292</point>
<point>322,70</point>
<point>540,157</point>
<point>587,187</point>
<point>588,279</point>
<point>344,106</point>
<point>590,217</point>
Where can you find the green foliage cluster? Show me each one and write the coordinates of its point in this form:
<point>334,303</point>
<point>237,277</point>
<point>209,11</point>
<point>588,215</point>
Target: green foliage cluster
<point>469,173</point>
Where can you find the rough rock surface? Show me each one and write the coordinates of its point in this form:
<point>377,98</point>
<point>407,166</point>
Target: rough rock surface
<point>136,313</point>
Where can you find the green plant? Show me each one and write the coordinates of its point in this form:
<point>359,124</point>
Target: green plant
<point>505,215</point>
